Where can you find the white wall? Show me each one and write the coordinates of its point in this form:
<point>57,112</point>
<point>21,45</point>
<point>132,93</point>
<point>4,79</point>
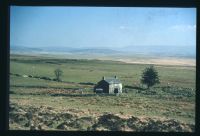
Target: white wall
<point>112,86</point>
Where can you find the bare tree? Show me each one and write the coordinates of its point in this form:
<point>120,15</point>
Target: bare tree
<point>58,73</point>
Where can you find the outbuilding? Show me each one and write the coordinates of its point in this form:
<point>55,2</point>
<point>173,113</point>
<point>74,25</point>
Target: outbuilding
<point>109,85</point>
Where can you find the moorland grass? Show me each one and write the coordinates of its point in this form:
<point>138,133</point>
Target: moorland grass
<point>173,98</point>
<point>92,71</point>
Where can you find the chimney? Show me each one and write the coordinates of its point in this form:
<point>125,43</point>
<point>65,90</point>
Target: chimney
<point>103,78</point>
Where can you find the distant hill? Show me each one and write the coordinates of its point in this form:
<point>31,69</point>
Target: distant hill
<point>22,49</point>
<point>165,51</point>
<point>158,51</point>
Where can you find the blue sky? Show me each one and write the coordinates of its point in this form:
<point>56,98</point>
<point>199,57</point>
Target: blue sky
<point>102,26</point>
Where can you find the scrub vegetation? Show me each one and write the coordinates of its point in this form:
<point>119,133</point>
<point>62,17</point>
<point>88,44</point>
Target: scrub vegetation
<point>38,101</point>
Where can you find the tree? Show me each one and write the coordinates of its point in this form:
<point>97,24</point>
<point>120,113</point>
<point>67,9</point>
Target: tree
<point>150,77</point>
<point>58,73</point>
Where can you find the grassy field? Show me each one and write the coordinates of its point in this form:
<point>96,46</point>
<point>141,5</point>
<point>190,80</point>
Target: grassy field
<point>173,98</point>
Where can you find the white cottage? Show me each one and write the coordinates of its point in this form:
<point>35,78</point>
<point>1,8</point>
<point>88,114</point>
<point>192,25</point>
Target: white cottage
<point>109,85</point>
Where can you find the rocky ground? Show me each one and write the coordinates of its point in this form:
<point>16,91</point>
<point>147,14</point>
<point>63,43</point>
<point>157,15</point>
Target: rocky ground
<point>48,118</point>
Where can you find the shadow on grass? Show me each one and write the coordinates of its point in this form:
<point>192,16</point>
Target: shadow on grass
<point>65,95</point>
<point>73,95</point>
<point>84,95</point>
<point>134,87</point>
<point>41,87</point>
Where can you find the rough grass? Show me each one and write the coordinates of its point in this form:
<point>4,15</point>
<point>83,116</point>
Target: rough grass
<point>174,98</point>
<point>139,103</point>
<point>93,70</point>
<point>31,117</point>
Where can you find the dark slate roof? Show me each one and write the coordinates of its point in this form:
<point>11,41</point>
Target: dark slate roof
<point>112,80</point>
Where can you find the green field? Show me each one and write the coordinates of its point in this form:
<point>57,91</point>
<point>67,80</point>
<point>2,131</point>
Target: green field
<point>173,98</point>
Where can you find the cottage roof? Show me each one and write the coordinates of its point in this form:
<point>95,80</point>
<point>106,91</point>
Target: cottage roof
<point>111,80</point>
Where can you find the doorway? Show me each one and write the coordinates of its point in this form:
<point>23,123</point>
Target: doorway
<point>116,90</point>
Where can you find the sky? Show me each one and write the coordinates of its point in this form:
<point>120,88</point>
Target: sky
<point>102,26</point>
